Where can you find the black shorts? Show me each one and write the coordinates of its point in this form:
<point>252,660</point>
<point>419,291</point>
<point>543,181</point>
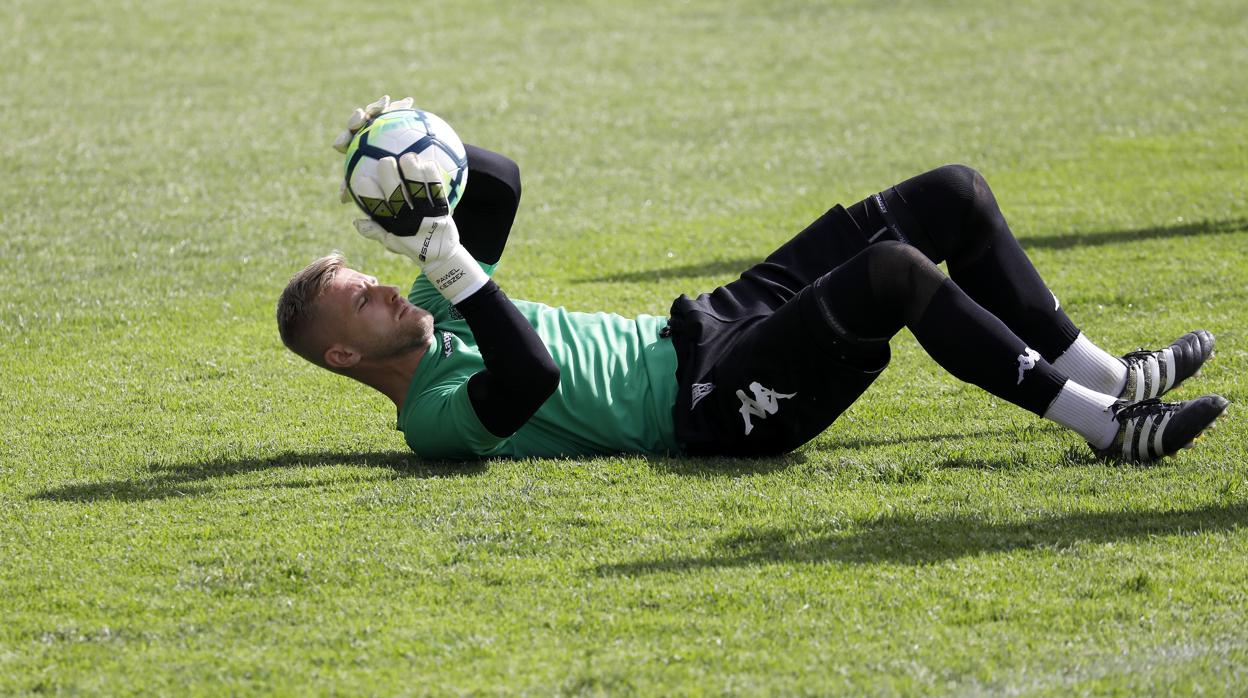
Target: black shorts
<point>761,370</point>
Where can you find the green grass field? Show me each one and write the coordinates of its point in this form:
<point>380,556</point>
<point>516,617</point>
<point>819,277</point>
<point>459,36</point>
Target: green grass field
<point>188,509</point>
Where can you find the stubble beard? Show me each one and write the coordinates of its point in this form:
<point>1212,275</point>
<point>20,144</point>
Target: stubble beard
<point>413,332</point>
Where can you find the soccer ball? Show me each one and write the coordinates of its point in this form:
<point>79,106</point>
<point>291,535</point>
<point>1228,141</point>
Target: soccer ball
<point>405,131</point>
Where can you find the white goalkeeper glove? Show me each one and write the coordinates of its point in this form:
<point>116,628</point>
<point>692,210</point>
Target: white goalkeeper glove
<point>422,228</point>
<point>361,117</point>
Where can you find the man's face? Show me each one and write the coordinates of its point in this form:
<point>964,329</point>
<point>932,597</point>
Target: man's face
<point>364,320</point>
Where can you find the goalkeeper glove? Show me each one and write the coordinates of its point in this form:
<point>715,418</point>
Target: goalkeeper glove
<point>423,228</point>
<point>361,117</point>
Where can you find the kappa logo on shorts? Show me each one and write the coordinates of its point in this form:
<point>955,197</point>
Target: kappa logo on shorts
<point>1026,361</point>
<point>447,347</point>
<point>766,401</point>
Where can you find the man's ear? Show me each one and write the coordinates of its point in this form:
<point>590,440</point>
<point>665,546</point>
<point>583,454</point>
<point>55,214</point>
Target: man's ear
<point>341,356</point>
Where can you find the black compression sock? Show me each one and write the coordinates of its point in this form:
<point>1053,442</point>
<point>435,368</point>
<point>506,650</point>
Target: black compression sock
<point>1007,285</point>
<point>890,284</point>
<point>976,347</point>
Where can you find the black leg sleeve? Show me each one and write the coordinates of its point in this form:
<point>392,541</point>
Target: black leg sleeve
<point>519,372</point>
<point>890,285</point>
<point>951,215</point>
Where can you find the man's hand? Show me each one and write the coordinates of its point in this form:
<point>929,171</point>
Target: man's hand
<point>423,228</point>
<point>361,117</point>
<point>403,193</point>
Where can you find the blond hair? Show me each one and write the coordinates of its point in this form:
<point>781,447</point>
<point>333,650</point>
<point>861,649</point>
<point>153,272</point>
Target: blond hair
<point>296,306</point>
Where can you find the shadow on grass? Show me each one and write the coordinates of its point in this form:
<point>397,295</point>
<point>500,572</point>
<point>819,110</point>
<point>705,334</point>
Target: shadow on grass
<point>911,540</point>
<point>1059,241</point>
<point>834,444</point>
<point>725,467</point>
<point>684,271</point>
<point>742,467</point>
<point>1115,237</point>
<point>187,479</point>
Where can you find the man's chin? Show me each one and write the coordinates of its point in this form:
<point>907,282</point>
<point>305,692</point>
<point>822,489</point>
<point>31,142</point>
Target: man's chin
<point>423,327</point>
<point>424,339</point>
<point>418,333</point>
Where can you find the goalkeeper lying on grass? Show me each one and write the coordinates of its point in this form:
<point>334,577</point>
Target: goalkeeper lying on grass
<point>756,367</point>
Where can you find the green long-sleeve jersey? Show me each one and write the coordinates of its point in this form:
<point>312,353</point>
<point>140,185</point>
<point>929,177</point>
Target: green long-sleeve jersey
<point>616,390</point>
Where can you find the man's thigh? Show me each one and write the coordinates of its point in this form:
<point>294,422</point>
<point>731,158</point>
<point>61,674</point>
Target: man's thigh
<point>830,241</point>
<point>787,377</point>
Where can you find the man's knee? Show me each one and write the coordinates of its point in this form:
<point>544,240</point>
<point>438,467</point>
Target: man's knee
<point>973,216</point>
<point>974,189</point>
<point>889,258</point>
<point>900,275</point>
<point>960,183</point>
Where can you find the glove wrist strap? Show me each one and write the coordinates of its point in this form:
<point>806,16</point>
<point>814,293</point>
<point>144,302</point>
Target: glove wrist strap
<point>457,275</point>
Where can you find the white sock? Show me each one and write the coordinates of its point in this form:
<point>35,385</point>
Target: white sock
<point>1086,411</point>
<point>1090,366</point>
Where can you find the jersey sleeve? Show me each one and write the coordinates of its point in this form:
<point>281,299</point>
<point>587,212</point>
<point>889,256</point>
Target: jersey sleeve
<point>442,423</point>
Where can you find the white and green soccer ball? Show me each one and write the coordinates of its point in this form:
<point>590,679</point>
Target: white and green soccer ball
<point>405,131</point>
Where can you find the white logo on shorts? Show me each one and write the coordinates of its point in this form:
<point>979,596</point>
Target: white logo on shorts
<point>766,401</point>
<point>1026,361</point>
<point>700,390</point>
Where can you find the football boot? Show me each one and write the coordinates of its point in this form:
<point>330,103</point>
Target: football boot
<point>1152,374</point>
<point>1153,429</point>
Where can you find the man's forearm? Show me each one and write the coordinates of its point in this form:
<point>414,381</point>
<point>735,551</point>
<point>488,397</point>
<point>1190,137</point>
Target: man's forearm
<point>488,207</point>
<point>519,372</point>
